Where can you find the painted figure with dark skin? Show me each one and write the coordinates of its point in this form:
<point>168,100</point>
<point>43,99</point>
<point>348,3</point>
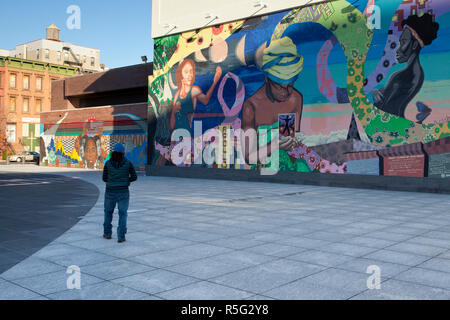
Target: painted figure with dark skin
<point>282,65</point>
<point>90,151</point>
<point>404,85</point>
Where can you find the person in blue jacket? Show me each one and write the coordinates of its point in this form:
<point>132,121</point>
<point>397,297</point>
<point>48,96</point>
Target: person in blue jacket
<point>118,174</point>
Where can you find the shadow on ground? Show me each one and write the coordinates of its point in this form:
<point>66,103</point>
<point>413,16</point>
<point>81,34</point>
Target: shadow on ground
<point>36,209</point>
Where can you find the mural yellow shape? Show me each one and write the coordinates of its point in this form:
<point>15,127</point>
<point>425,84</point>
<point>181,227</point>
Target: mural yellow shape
<point>193,41</point>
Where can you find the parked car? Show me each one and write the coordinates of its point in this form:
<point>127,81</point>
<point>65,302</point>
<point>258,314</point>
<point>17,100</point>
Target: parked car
<point>25,157</point>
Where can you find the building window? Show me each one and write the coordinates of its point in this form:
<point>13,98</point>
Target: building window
<point>66,56</point>
<point>38,54</point>
<point>38,105</point>
<point>11,132</point>
<point>84,59</point>
<point>12,104</point>
<point>92,61</point>
<point>59,55</point>
<point>47,54</point>
<point>26,105</point>
<point>26,82</point>
<point>78,58</point>
<point>38,84</point>
<point>12,81</point>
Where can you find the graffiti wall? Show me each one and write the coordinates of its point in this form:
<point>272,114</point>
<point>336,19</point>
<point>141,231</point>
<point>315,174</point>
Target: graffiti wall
<point>85,138</point>
<point>347,87</point>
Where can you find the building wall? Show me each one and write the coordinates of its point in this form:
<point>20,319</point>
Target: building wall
<point>29,51</point>
<point>175,16</point>
<point>27,123</point>
<point>333,73</point>
<point>85,138</point>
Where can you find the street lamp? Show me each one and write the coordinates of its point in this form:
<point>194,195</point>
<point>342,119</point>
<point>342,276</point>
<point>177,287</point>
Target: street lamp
<point>144,59</point>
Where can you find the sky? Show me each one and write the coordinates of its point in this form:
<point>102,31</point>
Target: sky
<point>120,29</point>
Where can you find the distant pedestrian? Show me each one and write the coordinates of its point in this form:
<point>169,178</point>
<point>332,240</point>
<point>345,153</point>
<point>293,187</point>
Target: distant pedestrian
<point>118,174</point>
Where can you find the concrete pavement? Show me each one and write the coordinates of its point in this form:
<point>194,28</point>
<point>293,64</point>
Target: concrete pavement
<point>206,239</point>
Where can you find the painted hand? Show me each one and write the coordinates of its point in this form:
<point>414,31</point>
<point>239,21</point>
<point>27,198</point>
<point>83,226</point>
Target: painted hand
<point>287,143</point>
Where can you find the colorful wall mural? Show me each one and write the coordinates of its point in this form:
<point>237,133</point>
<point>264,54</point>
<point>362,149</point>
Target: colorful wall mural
<point>355,86</point>
<point>85,139</point>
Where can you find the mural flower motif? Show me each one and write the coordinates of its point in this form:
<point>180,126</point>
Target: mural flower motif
<point>333,167</point>
<point>352,17</point>
<point>351,89</point>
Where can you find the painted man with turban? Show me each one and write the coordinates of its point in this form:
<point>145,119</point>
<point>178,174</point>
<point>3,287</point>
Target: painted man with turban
<point>281,64</point>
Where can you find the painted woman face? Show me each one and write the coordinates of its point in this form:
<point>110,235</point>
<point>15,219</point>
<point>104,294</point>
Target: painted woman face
<point>90,153</point>
<point>187,75</point>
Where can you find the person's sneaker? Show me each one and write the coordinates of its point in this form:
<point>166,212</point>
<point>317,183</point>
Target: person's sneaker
<point>121,240</point>
<point>107,237</point>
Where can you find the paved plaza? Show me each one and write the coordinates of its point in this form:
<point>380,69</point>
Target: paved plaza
<point>207,239</point>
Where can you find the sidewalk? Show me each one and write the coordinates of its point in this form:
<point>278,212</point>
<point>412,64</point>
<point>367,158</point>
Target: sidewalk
<point>206,239</point>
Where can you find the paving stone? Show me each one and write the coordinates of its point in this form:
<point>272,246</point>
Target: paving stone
<point>81,259</point>
<point>360,265</point>
<point>70,237</point>
<point>179,255</point>
<point>31,267</point>
<point>437,264</point>
<point>328,236</point>
<point>400,290</point>
<point>426,277</point>
<point>303,242</point>
<point>302,290</point>
<point>236,243</point>
<point>100,291</point>
<point>403,258</point>
<point>155,281</point>
<point>115,269</point>
<point>383,235</point>
<point>431,242</point>
<point>347,249</point>
<point>11,291</point>
<point>339,279</point>
<point>49,283</point>
<point>369,242</point>
<point>276,250</point>
<point>415,248</point>
<point>205,291</point>
<point>267,276</point>
<point>321,258</point>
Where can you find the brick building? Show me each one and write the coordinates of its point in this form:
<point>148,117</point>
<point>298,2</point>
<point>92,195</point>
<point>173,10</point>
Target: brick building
<point>25,92</point>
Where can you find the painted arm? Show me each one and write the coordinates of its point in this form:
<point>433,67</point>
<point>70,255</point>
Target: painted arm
<point>298,115</point>
<point>204,98</point>
<point>175,108</point>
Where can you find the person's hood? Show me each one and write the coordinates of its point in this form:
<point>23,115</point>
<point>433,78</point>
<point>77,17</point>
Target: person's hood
<point>118,164</point>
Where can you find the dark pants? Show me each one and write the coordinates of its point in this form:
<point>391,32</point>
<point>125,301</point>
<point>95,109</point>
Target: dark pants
<point>122,199</point>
